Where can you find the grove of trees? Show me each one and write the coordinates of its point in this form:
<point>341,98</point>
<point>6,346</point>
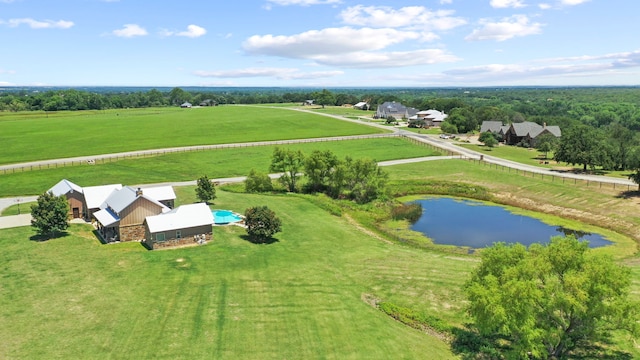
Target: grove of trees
<point>361,180</point>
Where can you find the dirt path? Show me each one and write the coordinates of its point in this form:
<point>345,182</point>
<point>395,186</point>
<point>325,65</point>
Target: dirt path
<point>368,232</point>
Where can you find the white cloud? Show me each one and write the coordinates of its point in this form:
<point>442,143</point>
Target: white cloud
<point>303,2</point>
<point>130,30</point>
<point>444,2</point>
<point>2,71</point>
<point>507,28</point>
<point>193,31</point>
<point>409,17</point>
<point>330,41</point>
<point>372,60</point>
<point>347,47</point>
<point>572,2</point>
<point>279,73</point>
<point>559,4</point>
<point>507,3</point>
<point>6,83</point>
<point>542,71</point>
<point>38,24</point>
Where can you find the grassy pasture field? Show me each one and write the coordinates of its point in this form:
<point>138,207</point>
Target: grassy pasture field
<point>219,163</point>
<point>29,136</point>
<point>300,297</point>
<point>534,157</point>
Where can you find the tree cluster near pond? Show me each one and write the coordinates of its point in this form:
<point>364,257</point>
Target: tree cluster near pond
<point>552,301</point>
<point>358,179</point>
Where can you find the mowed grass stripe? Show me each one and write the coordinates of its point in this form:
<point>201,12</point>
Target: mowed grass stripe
<point>111,131</point>
<point>189,166</point>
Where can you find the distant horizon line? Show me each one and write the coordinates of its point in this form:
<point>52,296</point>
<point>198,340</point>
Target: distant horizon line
<point>310,87</point>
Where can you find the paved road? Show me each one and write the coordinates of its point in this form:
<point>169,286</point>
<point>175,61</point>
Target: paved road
<point>450,146</point>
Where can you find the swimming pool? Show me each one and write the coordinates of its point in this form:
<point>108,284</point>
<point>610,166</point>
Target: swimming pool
<point>221,217</point>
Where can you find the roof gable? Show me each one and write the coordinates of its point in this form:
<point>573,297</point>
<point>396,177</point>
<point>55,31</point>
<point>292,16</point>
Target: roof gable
<point>94,196</point>
<point>160,193</point>
<point>525,128</point>
<point>64,187</point>
<point>121,199</point>
<point>492,126</point>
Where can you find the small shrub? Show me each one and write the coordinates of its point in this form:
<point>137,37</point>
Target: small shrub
<point>257,182</point>
<point>414,319</point>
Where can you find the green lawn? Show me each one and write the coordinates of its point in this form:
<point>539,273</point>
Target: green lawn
<point>29,136</point>
<point>297,298</point>
<point>189,166</point>
<point>535,158</point>
<point>300,297</point>
<point>518,154</point>
<point>17,209</point>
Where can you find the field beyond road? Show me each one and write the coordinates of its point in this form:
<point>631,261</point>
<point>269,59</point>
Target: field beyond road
<point>30,136</point>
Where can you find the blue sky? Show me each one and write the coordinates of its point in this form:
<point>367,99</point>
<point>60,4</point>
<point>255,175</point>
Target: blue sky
<point>319,43</point>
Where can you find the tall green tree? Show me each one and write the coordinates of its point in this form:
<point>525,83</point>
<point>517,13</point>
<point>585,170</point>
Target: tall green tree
<point>546,143</point>
<point>50,214</point>
<point>550,300</point>
<point>324,97</point>
<point>365,180</point>
<point>205,189</point>
<point>623,140</point>
<point>261,223</point>
<point>289,163</point>
<point>318,167</point>
<point>578,145</point>
<point>633,163</point>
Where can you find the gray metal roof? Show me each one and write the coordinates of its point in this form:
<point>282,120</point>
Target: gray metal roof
<point>121,199</point>
<point>64,187</point>
<point>182,217</point>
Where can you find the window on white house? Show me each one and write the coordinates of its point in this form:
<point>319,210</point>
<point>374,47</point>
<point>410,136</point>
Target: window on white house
<point>178,234</point>
<point>160,237</point>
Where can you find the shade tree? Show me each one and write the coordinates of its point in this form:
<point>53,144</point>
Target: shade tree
<point>205,189</point>
<point>289,163</point>
<point>50,214</point>
<point>549,300</point>
<point>261,223</point>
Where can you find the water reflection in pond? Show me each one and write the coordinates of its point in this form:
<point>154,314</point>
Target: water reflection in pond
<point>474,224</point>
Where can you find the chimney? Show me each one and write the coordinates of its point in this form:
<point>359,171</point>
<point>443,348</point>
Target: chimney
<point>544,125</point>
<point>139,192</point>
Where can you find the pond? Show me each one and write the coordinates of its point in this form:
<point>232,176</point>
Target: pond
<point>476,225</point>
